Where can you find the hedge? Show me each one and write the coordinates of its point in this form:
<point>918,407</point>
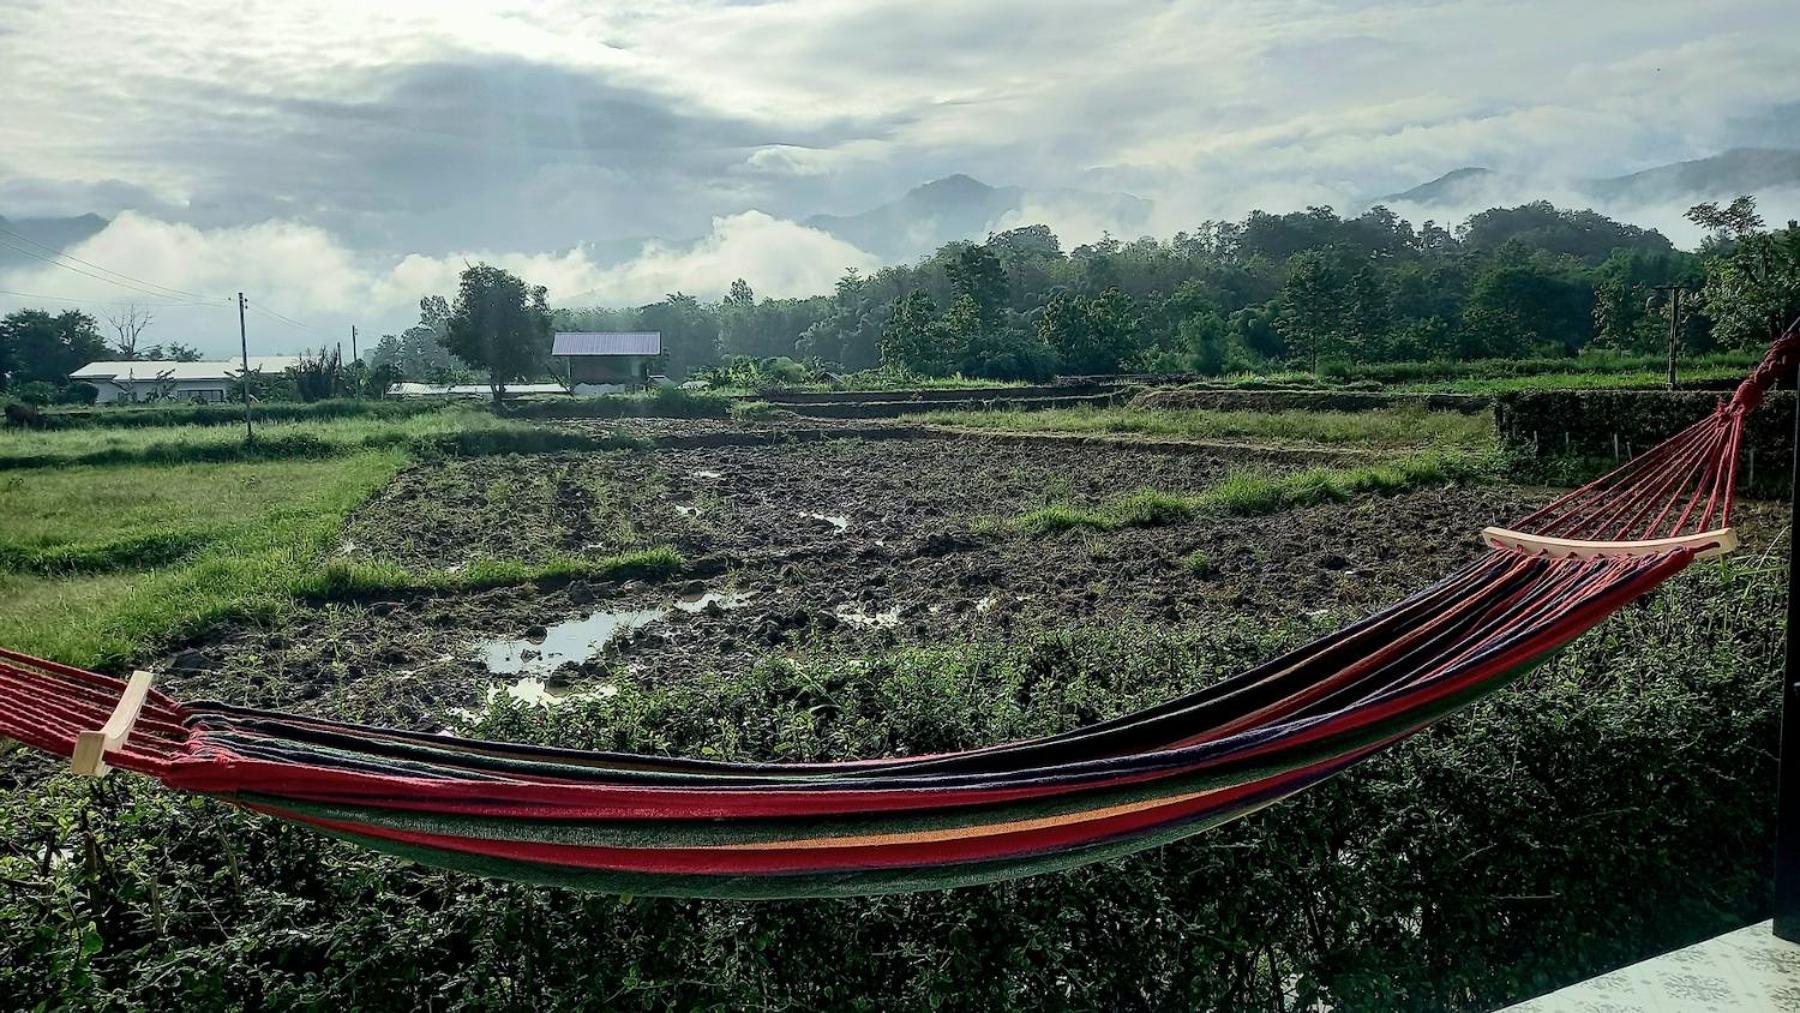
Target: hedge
<point>1616,424</point>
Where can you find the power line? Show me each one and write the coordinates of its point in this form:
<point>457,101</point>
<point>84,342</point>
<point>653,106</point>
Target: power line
<point>277,316</point>
<point>101,302</point>
<point>88,274</point>
<point>53,251</point>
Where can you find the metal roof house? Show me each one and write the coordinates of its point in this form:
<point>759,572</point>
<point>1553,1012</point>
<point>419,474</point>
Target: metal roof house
<point>593,358</point>
<point>181,381</point>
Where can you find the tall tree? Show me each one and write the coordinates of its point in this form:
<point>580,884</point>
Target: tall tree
<point>690,332</point>
<point>1311,318</point>
<point>38,346</point>
<point>914,340</point>
<point>501,325</point>
<point>1752,275</point>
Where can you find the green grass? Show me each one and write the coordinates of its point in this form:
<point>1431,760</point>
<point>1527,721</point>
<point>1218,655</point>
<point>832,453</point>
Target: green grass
<point>241,558</point>
<point>342,578</point>
<point>1386,429</point>
<point>447,432</point>
<point>133,416</point>
<point>755,411</point>
<point>1246,494</point>
<point>1646,379</point>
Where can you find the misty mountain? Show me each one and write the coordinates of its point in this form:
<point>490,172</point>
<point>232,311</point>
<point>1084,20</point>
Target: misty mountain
<point>56,233</point>
<point>1457,187</point>
<point>1719,177</point>
<point>1723,176</point>
<point>960,207</point>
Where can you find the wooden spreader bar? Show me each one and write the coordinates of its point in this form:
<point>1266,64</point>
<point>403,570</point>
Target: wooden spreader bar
<point>1705,544</point>
<point>91,747</point>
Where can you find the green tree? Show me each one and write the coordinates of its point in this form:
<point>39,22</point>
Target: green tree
<point>39,346</point>
<point>975,274</point>
<point>499,324</point>
<point>1311,315</point>
<point>690,332</point>
<point>914,339</point>
<point>1524,304</point>
<point>1752,275</point>
<point>1091,336</point>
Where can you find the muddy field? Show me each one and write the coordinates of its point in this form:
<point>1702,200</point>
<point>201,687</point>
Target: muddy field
<point>846,547</point>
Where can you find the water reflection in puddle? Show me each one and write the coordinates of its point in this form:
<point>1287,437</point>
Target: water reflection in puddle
<point>706,473</point>
<point>579,640</point>
<point>533,690</point>
<point>839,522</point>
<point>687,511</point>
<point>884,620</point>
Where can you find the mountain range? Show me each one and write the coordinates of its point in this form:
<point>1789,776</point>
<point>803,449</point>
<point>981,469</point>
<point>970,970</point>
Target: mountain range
<point>1719,177</point>
<point>961,207</point>
<point>22,241</point>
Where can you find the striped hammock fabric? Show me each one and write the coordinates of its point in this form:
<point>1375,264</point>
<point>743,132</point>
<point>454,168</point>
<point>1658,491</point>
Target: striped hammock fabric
<point>652,825</point>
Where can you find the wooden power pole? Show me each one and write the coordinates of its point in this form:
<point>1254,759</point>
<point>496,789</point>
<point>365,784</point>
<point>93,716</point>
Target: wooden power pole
<point>244,346</point>
<point>353,355</point>
<point>1673,293</point>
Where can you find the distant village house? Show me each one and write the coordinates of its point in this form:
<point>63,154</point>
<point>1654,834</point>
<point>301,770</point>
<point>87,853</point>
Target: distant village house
<point>592,359</point>
<point>174,381</point>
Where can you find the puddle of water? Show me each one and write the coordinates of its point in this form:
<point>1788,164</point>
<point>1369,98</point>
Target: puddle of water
<point>724,599</point>
<point>575,640</point>
<point>578,640</point>
<point>537,692</point>
<point>348,548</point>
<point>839,522</point>
<point>706,473</point>
<point>687,511</point>
<point>885,620</point>
<point>987,603</point>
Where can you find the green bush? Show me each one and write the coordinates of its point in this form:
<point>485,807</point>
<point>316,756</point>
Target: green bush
<point>1574,434</point>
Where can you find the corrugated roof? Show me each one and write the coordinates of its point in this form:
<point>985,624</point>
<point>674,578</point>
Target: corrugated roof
<point>607,343</point>
<point>214,369</point>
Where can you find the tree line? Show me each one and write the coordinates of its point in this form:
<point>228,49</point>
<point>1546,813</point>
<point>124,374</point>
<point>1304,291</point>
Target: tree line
<point>1308,289</point>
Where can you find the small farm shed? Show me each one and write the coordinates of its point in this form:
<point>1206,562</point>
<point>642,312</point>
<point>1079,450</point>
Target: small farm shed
<point>608,357</point>
<point>178,381</point>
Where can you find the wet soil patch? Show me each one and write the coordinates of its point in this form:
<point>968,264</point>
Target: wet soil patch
<point>848,548</point>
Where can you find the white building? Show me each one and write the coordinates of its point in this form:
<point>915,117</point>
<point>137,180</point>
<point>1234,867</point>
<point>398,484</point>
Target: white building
<point>177,381</point>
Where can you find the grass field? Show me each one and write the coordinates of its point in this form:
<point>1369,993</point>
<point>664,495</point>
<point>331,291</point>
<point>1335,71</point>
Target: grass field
<point>1391,429</point>
<point>157,552</point>
<point>119,539</point>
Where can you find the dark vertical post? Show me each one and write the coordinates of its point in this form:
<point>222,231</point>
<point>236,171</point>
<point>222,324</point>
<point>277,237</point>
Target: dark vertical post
<point>1787,792</point>
<point>1674,331</point>
<point>244,345</point>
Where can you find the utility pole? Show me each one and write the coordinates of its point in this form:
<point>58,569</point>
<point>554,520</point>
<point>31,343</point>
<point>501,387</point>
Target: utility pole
<point>1787,791</point>
<point>244,346</point>
<point>1673,293</point>
<point>353,355</point>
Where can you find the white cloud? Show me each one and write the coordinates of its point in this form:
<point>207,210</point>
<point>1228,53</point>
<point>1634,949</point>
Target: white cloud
<point>305,273</point>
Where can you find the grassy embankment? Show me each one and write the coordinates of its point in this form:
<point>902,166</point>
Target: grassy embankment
<point>1594,369</point>
<point>1414,449</point>
<point>1385,430</point>
<point>121,539</point>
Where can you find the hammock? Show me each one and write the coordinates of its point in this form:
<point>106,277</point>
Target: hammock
<point>652,825</point>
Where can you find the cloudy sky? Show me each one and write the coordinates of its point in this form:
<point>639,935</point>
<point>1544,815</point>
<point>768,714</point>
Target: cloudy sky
<point>339,160</point>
